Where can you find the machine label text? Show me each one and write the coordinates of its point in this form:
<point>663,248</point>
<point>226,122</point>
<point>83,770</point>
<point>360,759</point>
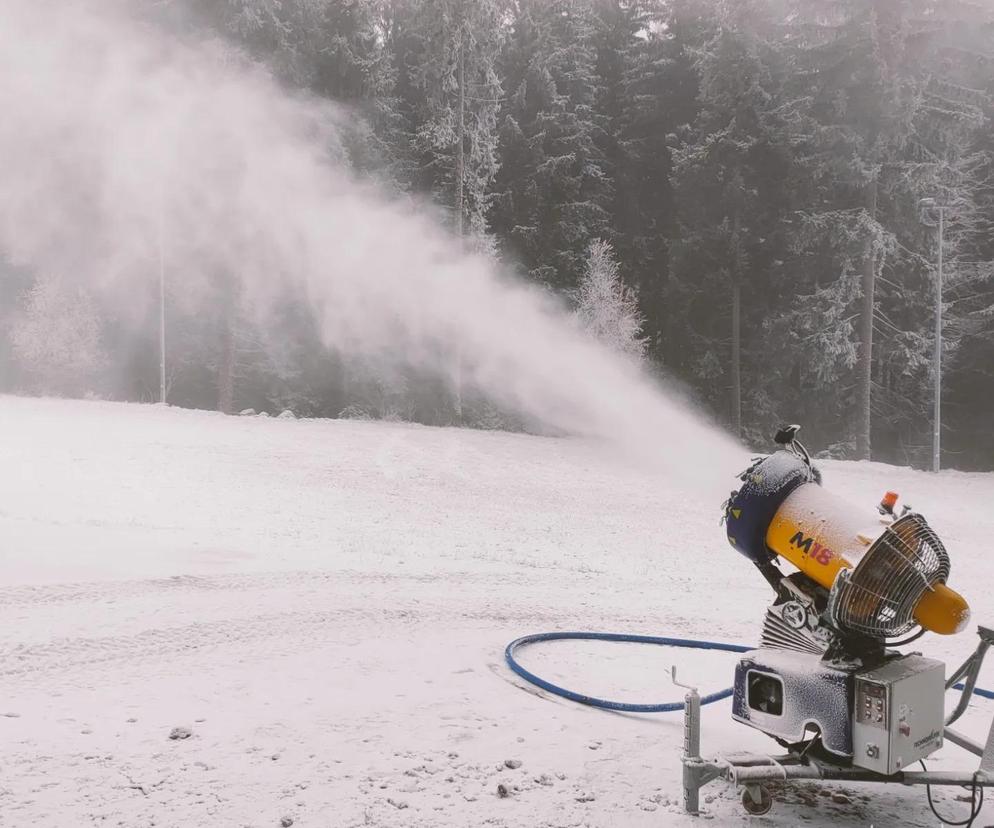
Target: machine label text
<point>813,549</point>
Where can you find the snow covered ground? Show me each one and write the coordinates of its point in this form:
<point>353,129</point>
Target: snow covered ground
<point>325,605</point>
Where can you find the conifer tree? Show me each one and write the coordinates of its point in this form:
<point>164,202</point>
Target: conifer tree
<point>555,196</point>
<point>648,92</point>
<point>607,308</point>
<point>860,108</point>
<point>57,336</point>
<point>728,179</point>
<point>871,143</point>
<point>447,59</point>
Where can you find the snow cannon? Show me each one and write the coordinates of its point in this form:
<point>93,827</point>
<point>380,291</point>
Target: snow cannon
<point>882,580</point>
<point>828,681</point>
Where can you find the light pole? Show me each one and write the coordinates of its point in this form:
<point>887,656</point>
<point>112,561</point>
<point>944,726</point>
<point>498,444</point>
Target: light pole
<point>162,313</point>
<point>162,304</point>
<point>934,215</point>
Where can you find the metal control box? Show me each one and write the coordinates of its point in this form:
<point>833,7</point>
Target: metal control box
<point>899,713</point>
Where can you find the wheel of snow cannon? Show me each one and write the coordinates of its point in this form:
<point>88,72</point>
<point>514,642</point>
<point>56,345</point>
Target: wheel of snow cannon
<point>757,799</point>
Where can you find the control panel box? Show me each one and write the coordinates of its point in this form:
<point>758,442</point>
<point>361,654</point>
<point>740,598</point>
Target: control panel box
<point>899,713</point>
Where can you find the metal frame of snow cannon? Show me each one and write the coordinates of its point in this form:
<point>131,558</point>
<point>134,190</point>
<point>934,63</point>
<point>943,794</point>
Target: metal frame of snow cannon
<point>751,772</point>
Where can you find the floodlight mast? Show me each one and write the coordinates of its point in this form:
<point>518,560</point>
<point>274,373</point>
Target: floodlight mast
<point>934,215</point>
<point>162,307</point>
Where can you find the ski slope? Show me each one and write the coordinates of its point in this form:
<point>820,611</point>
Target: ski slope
<point>324,605</point>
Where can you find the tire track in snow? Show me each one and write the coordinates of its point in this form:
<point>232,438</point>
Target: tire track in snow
<point>96,591</point>
<point>66,654</point>
<point>292,630</point>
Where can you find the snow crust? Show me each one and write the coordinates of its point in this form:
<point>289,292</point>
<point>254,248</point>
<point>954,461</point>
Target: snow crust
<point>324,606</point>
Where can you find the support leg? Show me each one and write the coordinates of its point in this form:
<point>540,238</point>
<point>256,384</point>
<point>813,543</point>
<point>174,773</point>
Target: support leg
<point>987,760</point>
<point>692,752</point>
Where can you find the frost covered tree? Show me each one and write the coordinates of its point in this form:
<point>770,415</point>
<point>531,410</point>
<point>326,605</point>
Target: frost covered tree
<point>553,194</point>
<point>860,109</point>
<point>656,99</point>
<point>607,308</point>
<point>756,166</point>
<point>729,180</point>
<point>352,64</point>
<point>272,30</point>
<point>57,337</point>
<point>445,54</point>
<point>878,133</point>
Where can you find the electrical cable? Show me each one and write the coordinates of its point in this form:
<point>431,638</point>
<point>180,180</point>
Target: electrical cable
<point>904,641</point>
<point>976,802</point>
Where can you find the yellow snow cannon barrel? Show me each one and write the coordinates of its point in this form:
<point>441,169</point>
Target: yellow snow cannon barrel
<point>888,583</point>
<point>817,532</point>
<point>881,583</point>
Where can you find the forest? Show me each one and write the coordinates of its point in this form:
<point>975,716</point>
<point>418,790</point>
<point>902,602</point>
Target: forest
<point>743,194</point>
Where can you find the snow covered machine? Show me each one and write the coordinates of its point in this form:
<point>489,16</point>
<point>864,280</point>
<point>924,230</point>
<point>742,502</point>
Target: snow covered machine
<point>828,680</point>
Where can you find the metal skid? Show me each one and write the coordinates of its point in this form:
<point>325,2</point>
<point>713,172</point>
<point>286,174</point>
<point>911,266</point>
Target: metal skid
<point>751,772</point>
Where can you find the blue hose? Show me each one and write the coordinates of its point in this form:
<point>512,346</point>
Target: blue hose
<point>624,707</point>
<point>987,694</point>
<point>667,707</point>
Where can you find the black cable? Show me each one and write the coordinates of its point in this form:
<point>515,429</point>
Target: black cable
<point>908,640</point>
<point>814,740</point>
<point>976,803</point>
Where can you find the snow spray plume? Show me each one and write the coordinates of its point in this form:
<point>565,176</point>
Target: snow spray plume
<point>115,131</point>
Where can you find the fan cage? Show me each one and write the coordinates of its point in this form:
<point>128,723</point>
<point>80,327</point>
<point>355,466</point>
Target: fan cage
<point>879,596</point>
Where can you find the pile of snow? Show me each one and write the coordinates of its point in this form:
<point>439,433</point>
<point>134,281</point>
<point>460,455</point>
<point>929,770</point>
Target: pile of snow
<point>320,609</point>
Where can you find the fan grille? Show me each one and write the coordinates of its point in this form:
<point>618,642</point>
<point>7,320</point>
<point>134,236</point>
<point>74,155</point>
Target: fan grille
<point>879,596</point>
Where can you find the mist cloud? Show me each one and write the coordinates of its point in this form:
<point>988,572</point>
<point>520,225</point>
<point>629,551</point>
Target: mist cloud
<point>115,131</point>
